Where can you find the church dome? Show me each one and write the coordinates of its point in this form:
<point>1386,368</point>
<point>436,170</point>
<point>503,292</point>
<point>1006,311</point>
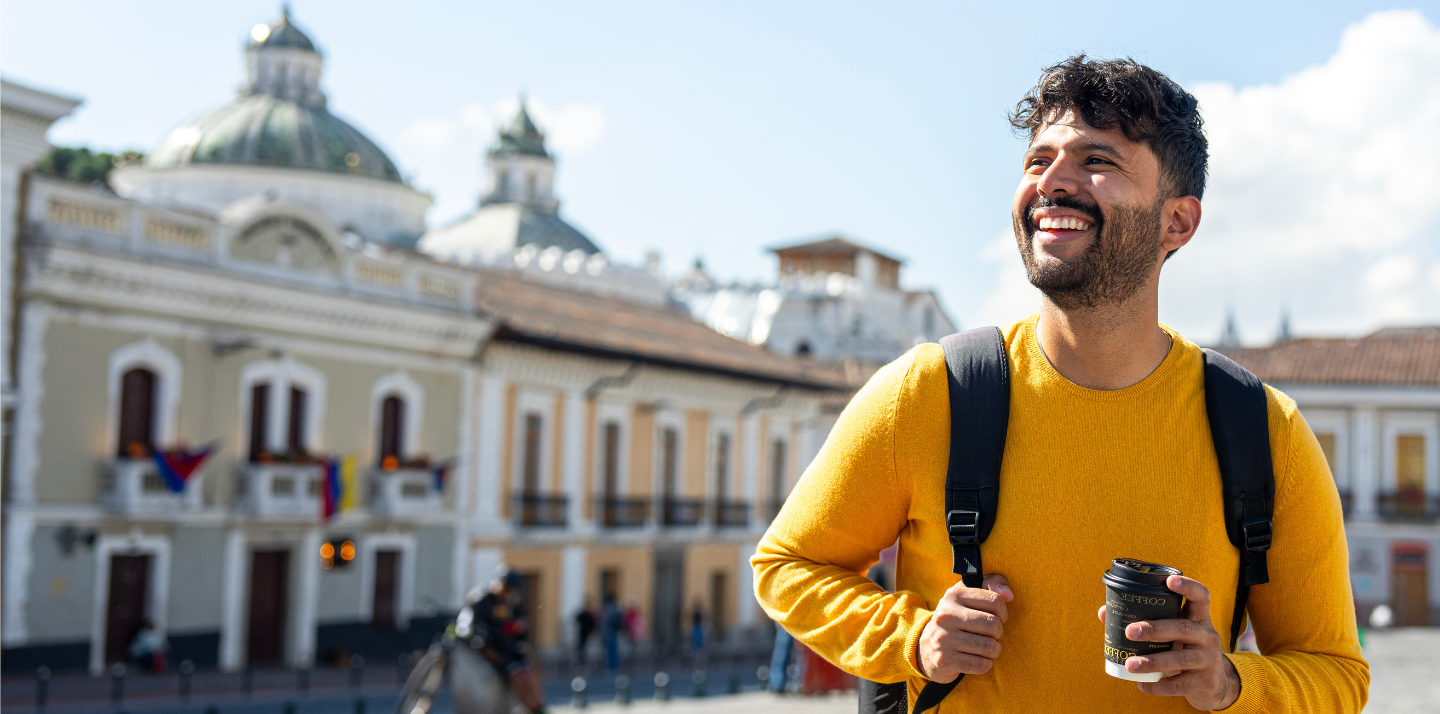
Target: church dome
<point>280,119</point>
<point>270,131</point>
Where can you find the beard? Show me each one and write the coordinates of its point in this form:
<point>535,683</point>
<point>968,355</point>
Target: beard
<point>1116,264</point>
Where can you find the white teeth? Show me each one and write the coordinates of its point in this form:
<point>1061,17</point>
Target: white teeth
<point>1066,223</point>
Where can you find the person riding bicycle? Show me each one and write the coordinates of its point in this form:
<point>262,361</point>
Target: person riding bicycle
<point>500,630</point>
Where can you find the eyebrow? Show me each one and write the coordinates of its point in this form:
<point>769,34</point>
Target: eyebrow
<point>1087,146</point>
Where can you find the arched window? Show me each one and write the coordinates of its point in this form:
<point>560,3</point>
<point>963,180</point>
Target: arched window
<point>137,414</point>
<point>259,418</point>
<point>295,435</point>
<point>392,429</point>
<point>722,467</point>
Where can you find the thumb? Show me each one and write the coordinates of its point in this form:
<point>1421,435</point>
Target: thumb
<point>996,583</point>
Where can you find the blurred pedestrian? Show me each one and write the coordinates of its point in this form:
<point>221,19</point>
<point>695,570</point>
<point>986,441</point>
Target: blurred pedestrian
<point>781,658</point>
<point>585,624</point>
<point>697,630</point>
<point>501,631</point>
<point>149,647</point>
<point>634,621</point>
<point>611,622</point>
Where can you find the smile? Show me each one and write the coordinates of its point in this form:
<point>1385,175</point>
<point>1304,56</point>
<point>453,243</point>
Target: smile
<point>1063,223</point>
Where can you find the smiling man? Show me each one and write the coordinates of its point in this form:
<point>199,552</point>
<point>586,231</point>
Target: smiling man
<point>1108,454</point>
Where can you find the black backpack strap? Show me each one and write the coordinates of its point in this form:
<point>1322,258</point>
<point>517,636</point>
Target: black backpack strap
<point>1240,426</point>
<point>979,377</point>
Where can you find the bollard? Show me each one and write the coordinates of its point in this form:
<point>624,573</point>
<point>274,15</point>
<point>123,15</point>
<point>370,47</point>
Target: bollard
<point>792,678</point>
<point>579,699</point>
<point>359,705</point>
<point>697,678</point>
<point>662,687</point>
<point>212,709</point>
<point>117,682</point>
<point>302,680</point>
<point>186,670</point>
<point>288,708</point>
<point>357,669</point>
<point>762,673</point>
<point>622,690</point>
<point>247,680</point>
<point>42,687</point>
<point>734,687</point>
<point>402,667</point>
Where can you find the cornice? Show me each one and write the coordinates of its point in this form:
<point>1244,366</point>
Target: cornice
<point>115,283</point>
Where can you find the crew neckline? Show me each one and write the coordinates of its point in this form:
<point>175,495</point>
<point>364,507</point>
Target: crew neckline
<point>1030,333</point>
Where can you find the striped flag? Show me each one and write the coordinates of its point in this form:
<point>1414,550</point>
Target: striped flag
<point>177,466</point>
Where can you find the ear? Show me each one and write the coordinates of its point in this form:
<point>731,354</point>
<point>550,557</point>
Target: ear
<point>1179,219</point>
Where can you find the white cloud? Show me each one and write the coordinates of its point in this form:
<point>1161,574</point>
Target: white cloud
<point>1322,194</point>
<point>1013,296</point>
<point>447,153</point>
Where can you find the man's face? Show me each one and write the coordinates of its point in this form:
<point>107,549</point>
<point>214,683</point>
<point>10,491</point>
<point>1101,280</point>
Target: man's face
<point>1088,213</point>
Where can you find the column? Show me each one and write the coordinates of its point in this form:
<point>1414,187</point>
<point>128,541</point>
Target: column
<point>490,432</point>
<point>1365,464</point>
<point>572,590</point>
<point>755,443</point>
<point>19,531</point>
<point>303,653</point>
<point>232,600</point>
<point>572,465</point>
<point>747,609</point>
<point>466,476</point>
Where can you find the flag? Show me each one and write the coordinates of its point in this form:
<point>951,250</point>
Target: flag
<point>441,472</point>
<point>349,473</point>
<point>331,490</point>
<point>177,466</point>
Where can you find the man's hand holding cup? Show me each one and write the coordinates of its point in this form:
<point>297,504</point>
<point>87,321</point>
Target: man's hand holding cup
<point>963,636</point>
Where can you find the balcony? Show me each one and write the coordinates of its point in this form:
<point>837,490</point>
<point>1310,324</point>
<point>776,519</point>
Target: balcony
<point>732,514</point>
<point>682,511</point>
<point>133,487</point>
<point>624,512</point>
<point>542,510</point>
<point>404,492</point>
<point>1408,505</point>
<point>281,490</point>
<point>772,508</point>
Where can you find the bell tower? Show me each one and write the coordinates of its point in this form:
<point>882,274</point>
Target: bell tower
<point>518,169</point>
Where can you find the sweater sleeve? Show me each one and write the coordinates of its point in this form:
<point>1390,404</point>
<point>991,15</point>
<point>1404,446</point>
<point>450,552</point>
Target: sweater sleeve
<point>810,566</point>
<point>1304,618</point>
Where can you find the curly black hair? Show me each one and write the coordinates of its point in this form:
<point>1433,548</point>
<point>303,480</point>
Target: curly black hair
<point>1146,105</point>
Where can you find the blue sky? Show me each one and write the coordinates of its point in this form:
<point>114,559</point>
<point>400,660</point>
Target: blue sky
<point>720,129</point>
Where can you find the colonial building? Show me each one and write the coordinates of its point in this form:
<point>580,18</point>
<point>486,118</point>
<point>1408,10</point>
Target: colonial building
<point>834,299</point>
<point>383,428</point>
<point>1374,405</point>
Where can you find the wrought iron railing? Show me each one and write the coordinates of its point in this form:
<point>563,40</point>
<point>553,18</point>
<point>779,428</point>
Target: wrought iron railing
<point>542,510</point>
<point>732,513</point>
<point>682,511</point>
<point>624,512</point>
<point>1410,504</point>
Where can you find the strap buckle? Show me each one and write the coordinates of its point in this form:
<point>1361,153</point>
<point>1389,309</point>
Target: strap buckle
<point>964,527</point>
<point>1257,533</point>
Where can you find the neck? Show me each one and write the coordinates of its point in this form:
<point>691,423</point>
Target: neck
<point>1106,347</point>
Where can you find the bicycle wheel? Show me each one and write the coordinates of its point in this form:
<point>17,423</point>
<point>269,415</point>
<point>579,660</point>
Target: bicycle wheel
<point>418,695</point>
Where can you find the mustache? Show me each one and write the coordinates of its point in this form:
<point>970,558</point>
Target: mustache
<point>1089,209</point>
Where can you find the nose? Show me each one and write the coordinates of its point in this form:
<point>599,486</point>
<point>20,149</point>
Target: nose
<point>1058,180</point>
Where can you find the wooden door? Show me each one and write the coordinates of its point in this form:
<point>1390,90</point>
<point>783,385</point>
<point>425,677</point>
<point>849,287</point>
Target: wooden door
<point>1408,591</point>
<point>125,607</point>
<point>387,566</point>
<point>137,414</point>
<point>719,605</point>
<point>669,589</point>
<point>269,590</point>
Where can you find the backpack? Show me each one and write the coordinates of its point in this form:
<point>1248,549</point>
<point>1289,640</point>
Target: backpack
<point>979,380</point>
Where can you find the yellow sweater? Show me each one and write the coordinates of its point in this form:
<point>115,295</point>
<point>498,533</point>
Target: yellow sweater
<point>1088,476</point>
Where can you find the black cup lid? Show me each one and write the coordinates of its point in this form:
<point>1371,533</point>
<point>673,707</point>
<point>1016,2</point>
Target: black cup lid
<point>1139,571</point>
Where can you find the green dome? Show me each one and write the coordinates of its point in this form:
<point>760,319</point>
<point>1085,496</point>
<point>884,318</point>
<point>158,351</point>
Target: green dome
<point>263,130</point>
<point>283,34</point>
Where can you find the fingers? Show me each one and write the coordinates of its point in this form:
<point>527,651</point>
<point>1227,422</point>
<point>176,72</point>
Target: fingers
<point>1190,632</point>
<point>971,643</point>
<point>979,599</point>
<point>946,666</point>
<point>1101,613</point>
<point>1198,606</point>
<point>1172,661</point>
<point>1176,686</point>
<point>996,583</point>
<point>952,617</point>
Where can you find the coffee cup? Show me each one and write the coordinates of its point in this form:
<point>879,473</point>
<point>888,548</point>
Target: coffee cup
<point>1135,592</point>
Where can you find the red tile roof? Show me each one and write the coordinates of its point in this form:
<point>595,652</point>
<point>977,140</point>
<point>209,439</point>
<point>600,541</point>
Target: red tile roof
<point>1397,356</point>
<point>609,327</point>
